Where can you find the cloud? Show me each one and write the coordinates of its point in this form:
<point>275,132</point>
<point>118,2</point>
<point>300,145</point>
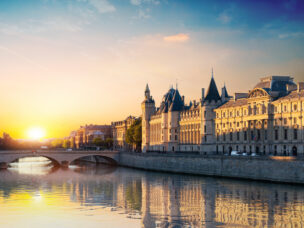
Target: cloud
<point>135,2</point>
<point>139,2</point>
<point>291,35</point>
<point>102,6</point>
<point>224,18</point>
<point>181,37</point>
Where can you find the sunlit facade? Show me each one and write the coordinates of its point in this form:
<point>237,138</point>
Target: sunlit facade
<point>85,135</point>
<point>119,131</point>
<point>266,120</point>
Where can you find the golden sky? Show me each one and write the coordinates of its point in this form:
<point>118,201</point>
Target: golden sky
<point>68,64</point>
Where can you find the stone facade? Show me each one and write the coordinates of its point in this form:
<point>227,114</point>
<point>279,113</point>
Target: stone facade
<point>85,135</point>
<point>267,120</point>
<point>119,133</point>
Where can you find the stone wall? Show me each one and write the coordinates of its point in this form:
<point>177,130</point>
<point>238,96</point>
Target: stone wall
<point>280,169</point>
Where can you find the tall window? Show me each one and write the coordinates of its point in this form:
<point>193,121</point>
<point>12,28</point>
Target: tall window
<point>259,135</point>
<point>245,135</point>
<point>276,134</point>
<point>230,136</point>
<point>224,137</point>
<point>238,136</point>
<point>265,134</point>
<point>285,134</point>
<point>295,107</point>
<point>295,134</point>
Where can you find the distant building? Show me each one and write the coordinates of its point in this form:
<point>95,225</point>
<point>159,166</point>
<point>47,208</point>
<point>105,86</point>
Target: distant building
<point>119,133</point>
<point>85,135</point>
<point>267,120</point>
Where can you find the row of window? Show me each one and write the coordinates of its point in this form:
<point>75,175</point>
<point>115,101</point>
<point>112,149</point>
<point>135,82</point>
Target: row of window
<point>294,108</point>
<point>255,111</point>
<point>257,135</point>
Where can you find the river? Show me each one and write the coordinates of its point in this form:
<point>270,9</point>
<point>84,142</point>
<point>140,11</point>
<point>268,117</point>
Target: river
<point>35,194</point>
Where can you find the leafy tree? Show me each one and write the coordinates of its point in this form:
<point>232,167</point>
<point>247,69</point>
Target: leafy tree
<point>133,135</point>
<point>109,143</point>
<point>98,141</point>
<point>57,143</point>
<point>66,143</point>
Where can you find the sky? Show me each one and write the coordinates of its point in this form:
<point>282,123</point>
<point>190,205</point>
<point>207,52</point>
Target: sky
<point>73,62</point>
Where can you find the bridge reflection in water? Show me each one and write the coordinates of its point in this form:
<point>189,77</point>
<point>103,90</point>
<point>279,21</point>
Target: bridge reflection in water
<point>148,199</point>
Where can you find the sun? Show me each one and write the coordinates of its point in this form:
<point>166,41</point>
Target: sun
<point>36,133</point>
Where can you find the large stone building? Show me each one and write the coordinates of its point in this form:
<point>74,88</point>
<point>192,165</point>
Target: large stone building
<point>85,135</point>
<point>119,129</point>
<point>266,120</point>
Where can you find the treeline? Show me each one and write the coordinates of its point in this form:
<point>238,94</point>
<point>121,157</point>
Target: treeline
<point>8,143</point>
<point>97,142</point>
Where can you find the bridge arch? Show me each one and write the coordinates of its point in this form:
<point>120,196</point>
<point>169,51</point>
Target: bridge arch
<point>110,160</point>
<point>54,161</point>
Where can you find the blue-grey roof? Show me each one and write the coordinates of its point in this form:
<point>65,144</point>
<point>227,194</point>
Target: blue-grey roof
<point>212,93</point>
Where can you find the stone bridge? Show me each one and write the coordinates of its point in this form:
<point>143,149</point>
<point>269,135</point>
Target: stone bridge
<point>59,157</point>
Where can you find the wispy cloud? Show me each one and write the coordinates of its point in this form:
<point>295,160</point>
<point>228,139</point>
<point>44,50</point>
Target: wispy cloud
<point>139,2</point>
<point>102,6</point>
<point>181,37</point>
<point>291,35</point>
<point>224,18</point>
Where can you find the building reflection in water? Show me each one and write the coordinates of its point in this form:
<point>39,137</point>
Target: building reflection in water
<point>166,200</point>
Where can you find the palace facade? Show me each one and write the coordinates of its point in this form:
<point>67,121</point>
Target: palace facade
<point>265,120</point>
<point>85,135</point>
<point>119,129</point>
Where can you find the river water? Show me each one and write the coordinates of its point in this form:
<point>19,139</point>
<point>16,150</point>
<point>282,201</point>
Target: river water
<point>33,194</point>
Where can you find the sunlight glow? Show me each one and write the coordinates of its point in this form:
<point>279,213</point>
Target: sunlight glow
<point>36,133</point>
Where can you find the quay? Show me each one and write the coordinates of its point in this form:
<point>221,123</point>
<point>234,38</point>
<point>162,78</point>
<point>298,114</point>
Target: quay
<point>266,168</point>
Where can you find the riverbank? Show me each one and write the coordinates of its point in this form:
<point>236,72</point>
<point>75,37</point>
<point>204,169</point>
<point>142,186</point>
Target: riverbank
<point>276,169</point>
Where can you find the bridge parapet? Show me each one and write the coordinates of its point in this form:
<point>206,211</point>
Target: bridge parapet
<point>57,156</point>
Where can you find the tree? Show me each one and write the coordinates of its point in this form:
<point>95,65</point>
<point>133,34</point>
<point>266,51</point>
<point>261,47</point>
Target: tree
<point>109,143</point>
<point>66,143</point>
<point>98,141</point>
<point>133,135</point>
<point>57,143</point>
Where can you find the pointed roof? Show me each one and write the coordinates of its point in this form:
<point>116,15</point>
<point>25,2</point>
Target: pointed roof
<point>225,93</point>
<point>177,102</point>
<point>147,88</point>
<point>212,93</point>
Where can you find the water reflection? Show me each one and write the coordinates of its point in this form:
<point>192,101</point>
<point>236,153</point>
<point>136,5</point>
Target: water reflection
<point>104,196</point>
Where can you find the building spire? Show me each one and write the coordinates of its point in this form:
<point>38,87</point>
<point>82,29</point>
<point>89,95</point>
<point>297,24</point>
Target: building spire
<point>212,72</point>
<point>147,92</point>
<point>147,88</point>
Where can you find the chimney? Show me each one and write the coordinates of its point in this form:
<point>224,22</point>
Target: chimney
<point>300,86</point>
<point>223,94</point>
<point>203,93</point>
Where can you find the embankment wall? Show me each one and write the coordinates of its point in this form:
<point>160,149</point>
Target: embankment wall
<point>279,169</point>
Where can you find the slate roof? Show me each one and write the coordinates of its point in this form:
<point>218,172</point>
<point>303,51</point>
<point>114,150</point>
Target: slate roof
<point>171,101</point>
<point>275,84</point>
<point>177,103</point>
<point>225,92</point>
<point>232,103</point>
<point>212,93</point>
<point>292,95</point>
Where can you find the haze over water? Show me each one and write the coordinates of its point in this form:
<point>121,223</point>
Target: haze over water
<point>103,196</point>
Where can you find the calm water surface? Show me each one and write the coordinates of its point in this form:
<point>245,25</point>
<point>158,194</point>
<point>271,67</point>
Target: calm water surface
<point>33,194</point>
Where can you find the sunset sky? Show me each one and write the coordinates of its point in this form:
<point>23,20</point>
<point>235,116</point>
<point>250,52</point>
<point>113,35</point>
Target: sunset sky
<point>71,62</point>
